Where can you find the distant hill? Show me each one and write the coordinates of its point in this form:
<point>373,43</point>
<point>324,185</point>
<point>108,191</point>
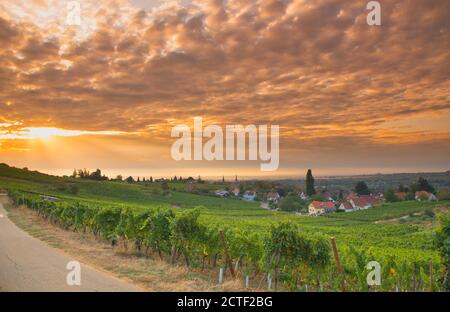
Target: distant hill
<point>25,174</point>
<point>375,181</point>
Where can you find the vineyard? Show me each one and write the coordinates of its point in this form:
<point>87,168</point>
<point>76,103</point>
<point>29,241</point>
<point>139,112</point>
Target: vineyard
<point>207,234</point>
<point>293,256</point>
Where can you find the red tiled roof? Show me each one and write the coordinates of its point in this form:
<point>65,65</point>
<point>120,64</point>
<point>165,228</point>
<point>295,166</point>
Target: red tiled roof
<point>347,205</point>
<point>328,205</point>
<point>323,205</point>
<point>316,204</point>
<point>418,193</point>
<point>401,195</point>
<point>365,200</point>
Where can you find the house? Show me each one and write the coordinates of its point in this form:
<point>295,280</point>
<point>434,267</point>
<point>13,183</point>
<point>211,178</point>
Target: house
<point>236,191</point>
<point>401,195</point>
<point>303,196</point>
<point>273,197</point>
<point>423,195</point>
<point>222,193</point>
<point>318,208</point>
<point>328,196</point>
<point>380,197</point>
<point>364,202</point>
<point>346,206</point>
<point>350,196</point>
<point>249,195</point>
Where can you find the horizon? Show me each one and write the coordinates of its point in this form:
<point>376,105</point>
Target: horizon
<point>113,173</point>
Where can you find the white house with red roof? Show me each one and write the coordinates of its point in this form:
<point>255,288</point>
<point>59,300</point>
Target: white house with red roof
<point>318,207</point>
<point>423,195</point>
<point>346,206</point>
<point>364,202</point>
<point>358,203</point>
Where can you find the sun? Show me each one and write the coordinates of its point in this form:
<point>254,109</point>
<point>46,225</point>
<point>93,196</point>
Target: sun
<point>47,133</point>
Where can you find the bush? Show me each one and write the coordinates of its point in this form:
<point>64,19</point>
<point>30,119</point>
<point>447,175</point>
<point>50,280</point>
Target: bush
<point>73,189</point>
<point>443,195</point>
<point>291,203</point>
<point>390,196</point>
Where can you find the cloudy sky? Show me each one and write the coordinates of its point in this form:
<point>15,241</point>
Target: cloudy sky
<point>349,97</point>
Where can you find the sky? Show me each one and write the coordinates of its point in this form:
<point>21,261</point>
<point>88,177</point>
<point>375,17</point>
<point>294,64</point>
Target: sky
<point>349,98</point>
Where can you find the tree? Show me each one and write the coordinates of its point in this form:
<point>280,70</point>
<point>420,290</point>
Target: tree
<point>96,175</point>
<point>165,187</point>
<point>341,195</point>
<point>291,203</point>
<point>310,190</point>
<point>119,178</point>
<point>390,196</point>
<point>361,188</point>
<point>423,185</point>
<point>281,191</point>
<point>317,197</point>
<point>74,174</point>
<point>129,179</point>
<point>413,188</point>
<point>151,179</point>
<point>81,173</point>
<point>403,188</point>
<point>443,194</point>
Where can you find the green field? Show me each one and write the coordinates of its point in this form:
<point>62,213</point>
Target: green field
<point>379,231</point>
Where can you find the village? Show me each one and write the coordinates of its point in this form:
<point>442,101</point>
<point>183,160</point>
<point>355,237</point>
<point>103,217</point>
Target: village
<point>314,202</point>
<point>351,202</point>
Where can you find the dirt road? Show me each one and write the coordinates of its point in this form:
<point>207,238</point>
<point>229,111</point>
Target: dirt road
<point>28,264</point>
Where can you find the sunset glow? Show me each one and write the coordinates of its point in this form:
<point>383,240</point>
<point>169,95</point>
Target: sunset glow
<point>46,133</point>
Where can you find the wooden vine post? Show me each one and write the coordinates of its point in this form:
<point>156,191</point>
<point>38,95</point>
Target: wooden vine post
<point>225,250</point>
<point>338,262</point>
<point>431,275</point>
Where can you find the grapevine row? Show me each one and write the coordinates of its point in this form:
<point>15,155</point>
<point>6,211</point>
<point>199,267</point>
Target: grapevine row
<point>296,260</point>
